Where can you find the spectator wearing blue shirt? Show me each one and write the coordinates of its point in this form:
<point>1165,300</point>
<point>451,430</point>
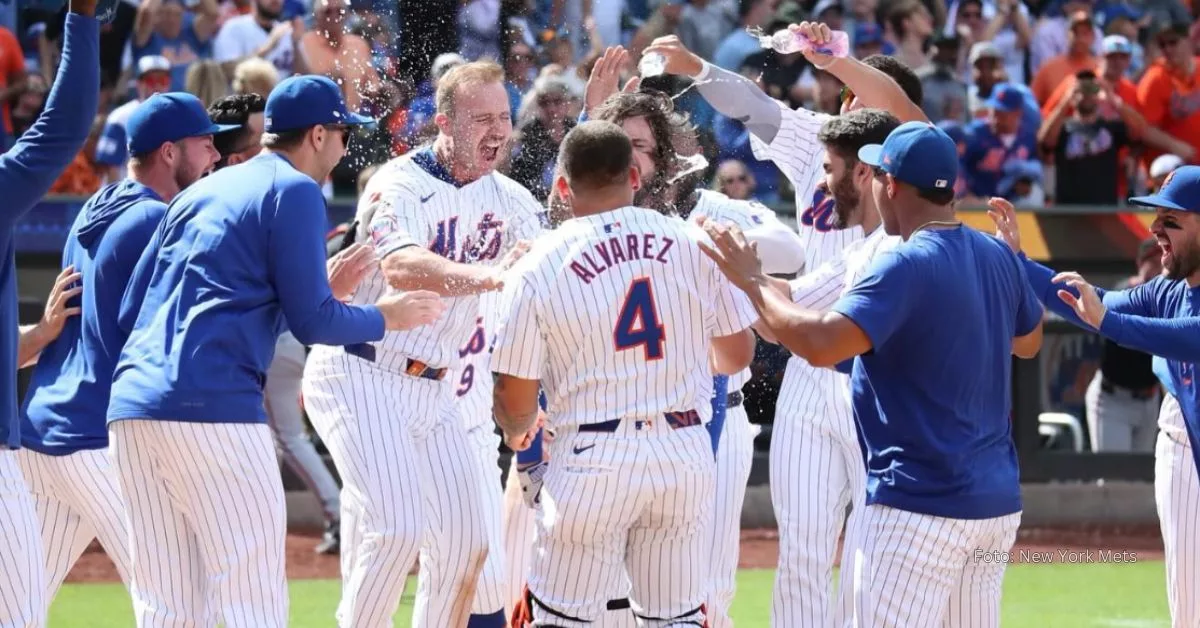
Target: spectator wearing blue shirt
<point>993,142</point>
<point>27,171</point>
<point>165,28</point>
<point>740,44</point>
<point>63,426</point>
<point>238,257</point>
<point>931,328</point>
<point>112,151</point>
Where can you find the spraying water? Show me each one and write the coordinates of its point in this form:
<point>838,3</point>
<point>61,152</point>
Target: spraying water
<point>784,41</point>
<point>688,165</point>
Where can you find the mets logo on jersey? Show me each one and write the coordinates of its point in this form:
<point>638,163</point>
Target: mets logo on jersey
<point>820,214</point>
<point>482,244</point>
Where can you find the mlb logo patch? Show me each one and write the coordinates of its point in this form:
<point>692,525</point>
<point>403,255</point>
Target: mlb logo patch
<point>382,227</point>
<point>612,226</point>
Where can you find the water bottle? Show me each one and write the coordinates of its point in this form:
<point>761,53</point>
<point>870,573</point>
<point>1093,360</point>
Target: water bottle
<point>652,64</point>
<point>787,42</point>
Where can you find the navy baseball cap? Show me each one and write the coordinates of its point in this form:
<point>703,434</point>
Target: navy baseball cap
<point>1006,97</point>
<point>299,102</point>
<point>169,117</point>
<point>1180,191</point>
<point>867,33</point>
<point>916,153</point>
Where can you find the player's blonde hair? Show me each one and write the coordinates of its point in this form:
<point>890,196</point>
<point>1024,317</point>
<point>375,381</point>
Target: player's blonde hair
<point>467,74</point>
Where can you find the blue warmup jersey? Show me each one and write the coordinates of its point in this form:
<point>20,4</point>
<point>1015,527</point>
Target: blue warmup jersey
<point>29,169</point>
<point>985,154</point>
<point>941,311</point>
<point>238,255</point>
<point>65,407</point>
<point>1160,317</point>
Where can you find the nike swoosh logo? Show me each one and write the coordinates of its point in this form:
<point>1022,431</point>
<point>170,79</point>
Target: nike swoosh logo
<point>579,450</point>
<point>425,198</point>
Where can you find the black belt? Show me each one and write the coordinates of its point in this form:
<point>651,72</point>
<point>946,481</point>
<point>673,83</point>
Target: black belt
<point>734,399</point>
<point>1137,393</point>
<point>415,368</point>
<point>677,420</point>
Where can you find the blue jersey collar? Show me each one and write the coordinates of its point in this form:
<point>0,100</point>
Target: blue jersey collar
<point>428,162</point>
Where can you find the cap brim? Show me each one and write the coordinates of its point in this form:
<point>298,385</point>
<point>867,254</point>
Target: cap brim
<point>221,128</point>
<point>1156,200</point>
<point>354,119</point>
<point>871,154</point>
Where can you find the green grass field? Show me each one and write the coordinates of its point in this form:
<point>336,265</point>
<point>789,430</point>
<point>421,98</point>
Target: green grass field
<point>1071,596</point>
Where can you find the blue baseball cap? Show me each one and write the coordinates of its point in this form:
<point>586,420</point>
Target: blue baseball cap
<point>1006,97</point>
<point>1180,191</point>
<point>916,153</point>
<point>1016,170</point>
<point>169,117</point>
<point>299,102</point>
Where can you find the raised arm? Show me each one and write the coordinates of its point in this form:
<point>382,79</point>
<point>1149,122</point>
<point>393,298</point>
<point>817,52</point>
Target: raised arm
<point>31,166</point>
<point>298,272</point>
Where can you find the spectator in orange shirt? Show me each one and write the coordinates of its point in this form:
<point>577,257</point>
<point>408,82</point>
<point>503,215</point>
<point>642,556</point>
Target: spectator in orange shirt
<point>333,51</point>
<point>1117,54</point>
<point>12,81</point>
<point>1169,92</point>
<point>1078,57</point>
<point>83,176</point>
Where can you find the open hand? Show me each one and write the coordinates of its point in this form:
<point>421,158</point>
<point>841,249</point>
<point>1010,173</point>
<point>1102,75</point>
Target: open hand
<point>347,269</point>
<point>736,257</point>
<point>1004,215</point>
<point>56,313</point>
<point>406,310</point>
<point>1087,305</point>
<point>605,77</point>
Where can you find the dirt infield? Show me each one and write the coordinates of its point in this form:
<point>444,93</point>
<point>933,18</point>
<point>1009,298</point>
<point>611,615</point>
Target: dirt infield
<point>760,549</point>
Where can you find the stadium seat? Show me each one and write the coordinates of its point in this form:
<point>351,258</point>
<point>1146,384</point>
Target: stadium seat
<point>1052,423</point>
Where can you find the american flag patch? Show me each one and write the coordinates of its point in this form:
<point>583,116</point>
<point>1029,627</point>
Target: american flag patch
<point>612,226</point>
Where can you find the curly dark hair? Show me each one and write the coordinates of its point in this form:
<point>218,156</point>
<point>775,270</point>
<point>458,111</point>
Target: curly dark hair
<point>673,134</point>
<point>233,109</point>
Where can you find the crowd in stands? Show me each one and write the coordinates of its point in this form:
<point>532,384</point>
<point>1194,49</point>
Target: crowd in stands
<point>1058,101</point>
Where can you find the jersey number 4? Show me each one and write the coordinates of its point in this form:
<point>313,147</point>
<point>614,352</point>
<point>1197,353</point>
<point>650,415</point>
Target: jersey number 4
<point>638,324</point>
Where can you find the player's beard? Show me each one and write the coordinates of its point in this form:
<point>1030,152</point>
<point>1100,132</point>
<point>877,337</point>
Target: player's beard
<point>846,201</point>
<point>654,195</point>
<point>1182,263</point>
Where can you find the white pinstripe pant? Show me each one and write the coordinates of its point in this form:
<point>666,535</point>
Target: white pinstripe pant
<point>489,594</point>
<point>78,498</point>
<point>22,594</point>
<point>281,395</point>
<point>207,523</point>
<point>636,502</point>
<point>1177,494</point>
<point>815,475</point>
<point>915,571</point>
<point>410,484</point>
<point>735,454</point>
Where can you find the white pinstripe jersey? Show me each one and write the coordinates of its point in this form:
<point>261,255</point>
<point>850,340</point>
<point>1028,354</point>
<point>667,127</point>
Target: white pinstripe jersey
<point>1170,418</point>
<point>800,155</point>
<point>819,395</point>
<point>473,378</point>
<point>744,214</point>
<point>615,314</point>
<point>412,201</point>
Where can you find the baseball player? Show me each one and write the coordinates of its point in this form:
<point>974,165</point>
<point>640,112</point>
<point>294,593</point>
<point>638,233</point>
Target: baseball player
<point>1177,495</point>
<point>64,432</point>
<point>626,374</point>
<point>811,461</point>
<point>27,171</point>
<point>238,256</point>
<point>1155,317</point>
<point>928,391</point>
<point>439,218</point>
<point>282,389</point>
